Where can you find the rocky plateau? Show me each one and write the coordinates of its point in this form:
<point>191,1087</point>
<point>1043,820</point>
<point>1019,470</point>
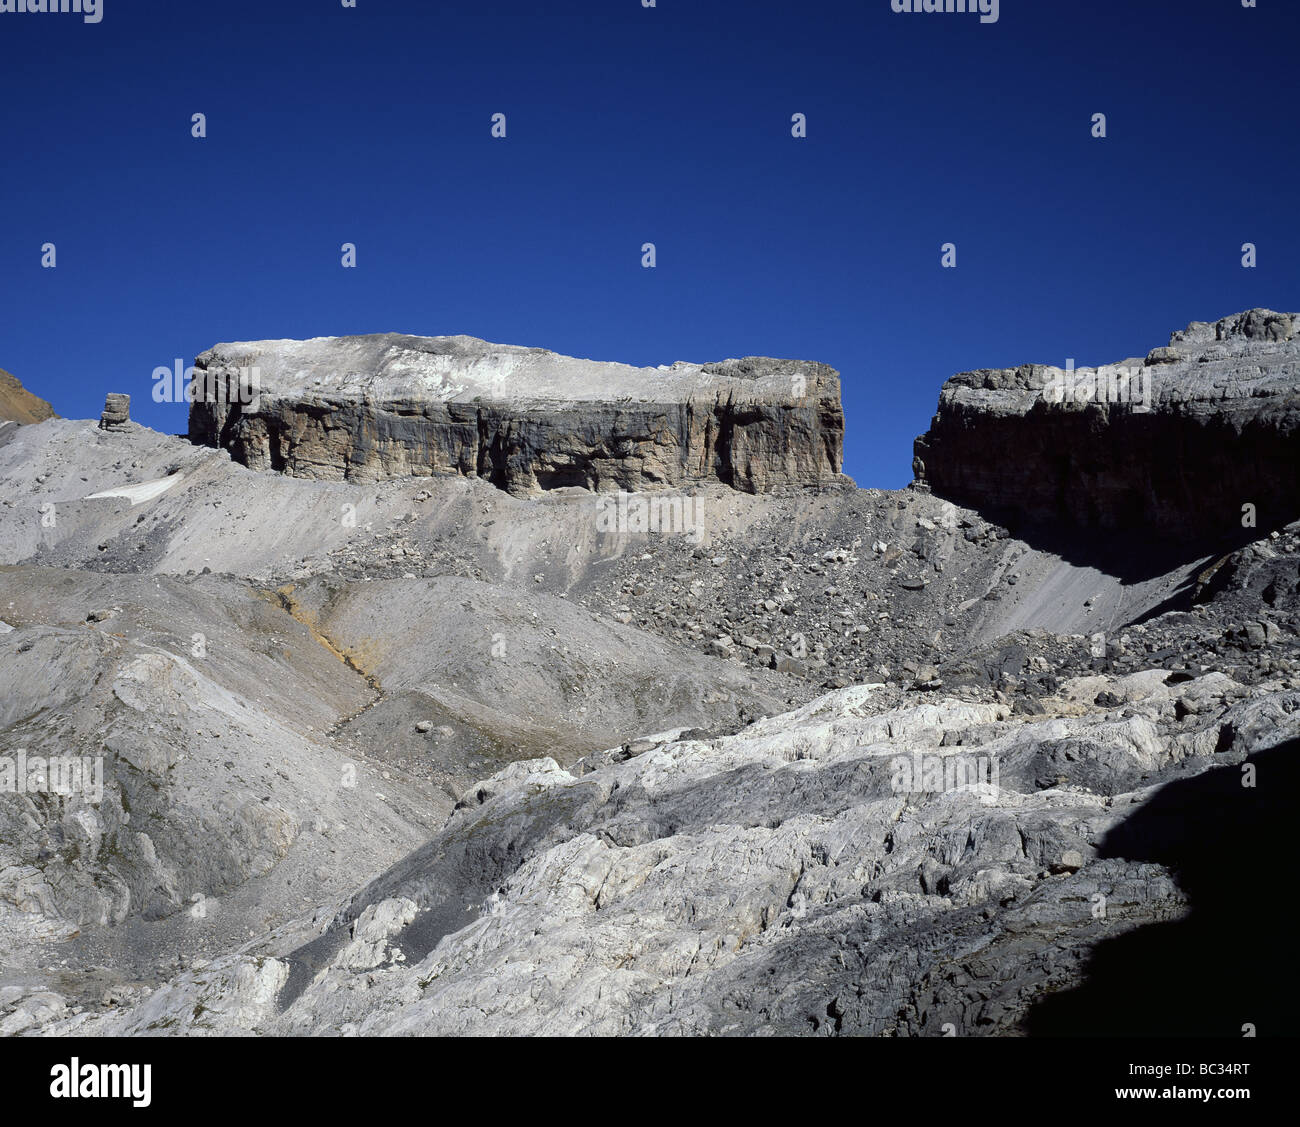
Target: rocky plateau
<point>442,687</point>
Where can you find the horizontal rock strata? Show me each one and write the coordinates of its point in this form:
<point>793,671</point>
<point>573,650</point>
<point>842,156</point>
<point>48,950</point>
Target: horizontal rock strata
<point>378,407</point>
<point>117,411</point>
<point>1173,444</point>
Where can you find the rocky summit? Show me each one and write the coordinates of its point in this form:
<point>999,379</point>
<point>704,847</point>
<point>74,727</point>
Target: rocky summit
<point>439,687</point>
<point>1173,444</point>
<point>375,408</point>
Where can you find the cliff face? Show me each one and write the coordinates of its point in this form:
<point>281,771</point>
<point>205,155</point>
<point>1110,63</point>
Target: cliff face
<point>377,407</point>
<point>18,405</point>
<point>1172,445</point>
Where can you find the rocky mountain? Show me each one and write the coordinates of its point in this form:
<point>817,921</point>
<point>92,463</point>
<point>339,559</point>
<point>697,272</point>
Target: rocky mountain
<point>388,406</point>
<point>18,405</point>
<point>1172,445</point>
<point>393,748</point>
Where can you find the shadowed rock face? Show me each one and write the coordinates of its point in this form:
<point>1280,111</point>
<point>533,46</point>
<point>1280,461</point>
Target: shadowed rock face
<point>1173,445</point>
<point>378,407</point>
<point>462,768</point>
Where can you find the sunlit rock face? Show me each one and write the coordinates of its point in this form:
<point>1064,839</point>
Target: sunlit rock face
<point>18,405</point>
<point>378,407</point>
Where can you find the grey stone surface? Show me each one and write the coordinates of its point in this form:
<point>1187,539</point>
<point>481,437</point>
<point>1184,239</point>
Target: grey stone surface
<point>779,881</point>
<point>378,407</point>
<point>1222,431</point>
<point>117,411</point>
<point>417,755</point>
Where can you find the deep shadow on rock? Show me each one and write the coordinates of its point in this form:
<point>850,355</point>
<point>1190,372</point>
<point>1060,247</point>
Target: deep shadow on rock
<point>1210,441</point>
<point>1229,962</point>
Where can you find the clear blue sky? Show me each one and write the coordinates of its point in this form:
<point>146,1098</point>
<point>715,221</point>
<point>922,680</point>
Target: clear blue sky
<point>627,125</point>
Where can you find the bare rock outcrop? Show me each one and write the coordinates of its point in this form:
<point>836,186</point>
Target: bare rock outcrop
<point>474,763</point>
<point>846,868</point>
<point>1173,444</point>
<point>372,408</point>
<point>117,411</point>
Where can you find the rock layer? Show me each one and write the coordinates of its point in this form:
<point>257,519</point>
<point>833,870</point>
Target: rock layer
<point>117,411</point>
<point>1174,444</point>
<point>378,407</point>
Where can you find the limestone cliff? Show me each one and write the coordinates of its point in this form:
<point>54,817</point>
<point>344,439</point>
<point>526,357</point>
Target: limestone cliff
<point>377,407</point>
<point>1172,445</point>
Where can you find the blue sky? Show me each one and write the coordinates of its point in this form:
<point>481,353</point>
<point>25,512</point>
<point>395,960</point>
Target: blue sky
<point>626,125</point>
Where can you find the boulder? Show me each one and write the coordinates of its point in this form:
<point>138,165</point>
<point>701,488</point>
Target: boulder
<point>117,411</point>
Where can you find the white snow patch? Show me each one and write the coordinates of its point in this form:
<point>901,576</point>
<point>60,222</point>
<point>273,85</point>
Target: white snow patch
<point>145,491</point>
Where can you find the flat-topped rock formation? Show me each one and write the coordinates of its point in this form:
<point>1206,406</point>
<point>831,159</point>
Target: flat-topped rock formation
<point>1173,444</point>
<point>117,411</point>
<point>18,405</point>
<point>376,407</point>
